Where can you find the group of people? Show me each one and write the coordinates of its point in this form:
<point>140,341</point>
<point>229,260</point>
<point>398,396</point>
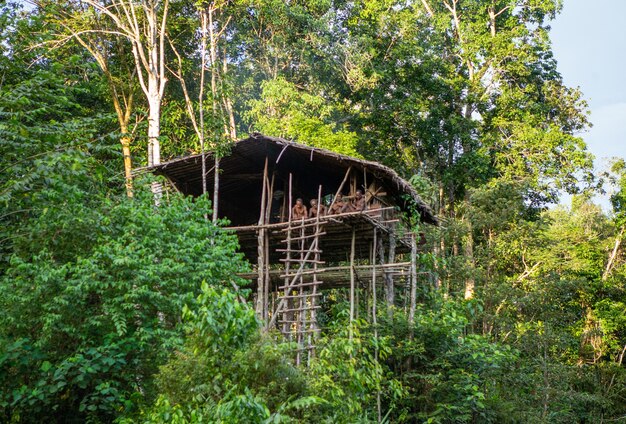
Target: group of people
<point>354,204</point>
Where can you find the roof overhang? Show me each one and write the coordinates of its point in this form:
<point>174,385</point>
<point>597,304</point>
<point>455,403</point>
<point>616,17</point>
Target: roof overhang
<point>241,170</point>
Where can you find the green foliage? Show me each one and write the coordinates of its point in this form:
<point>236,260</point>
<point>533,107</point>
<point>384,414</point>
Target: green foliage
<point>285,111</point>
<point>227,372</point>
<point>114,309</point>
<point>450,375</point>
<point>220,323</point>
<point>348,371</point>
<point>96,327</point>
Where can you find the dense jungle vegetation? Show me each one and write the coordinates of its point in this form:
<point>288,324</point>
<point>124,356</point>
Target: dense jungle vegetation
<point>114,310</point>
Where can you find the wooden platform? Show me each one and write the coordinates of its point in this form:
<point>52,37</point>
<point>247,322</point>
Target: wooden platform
<point>336,240</point>
<point>339,276</point>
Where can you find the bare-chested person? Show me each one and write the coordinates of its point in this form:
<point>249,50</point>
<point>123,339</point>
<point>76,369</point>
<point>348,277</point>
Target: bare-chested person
<point>299,210</point>
<point>314,207</point>
<point>336,207</point>
<point>357,204</point>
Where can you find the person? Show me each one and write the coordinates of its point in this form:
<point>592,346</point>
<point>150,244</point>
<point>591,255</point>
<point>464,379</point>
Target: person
<point>299,210</point>
<point>357,204</point>
<point>336,207</point>
<point>314,207</point>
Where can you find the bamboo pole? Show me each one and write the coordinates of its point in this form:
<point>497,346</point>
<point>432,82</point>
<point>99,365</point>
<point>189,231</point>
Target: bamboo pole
<point>290,196</point>
<point>266,219</point>
<point>311,221</point>
<point>374,320</point>
<point>352,249</point>
<point>365,182</point>
<point>314,291</point>
<point>288,251</point>
<point>283,209</point>
<point>301,307</point>
<point>291,285</point>
<point>268,208</point>
<point>260,302</point>
<point>343,182</point>
<point>266,281</point>
<point>389,284</point>
<point>368,288</point>
<point>373,286</point>
<point>364,268</point>
<point>413,300</point>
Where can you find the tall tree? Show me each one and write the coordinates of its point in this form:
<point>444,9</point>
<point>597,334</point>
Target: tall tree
<point>144,26</point>
<point>111,54</point>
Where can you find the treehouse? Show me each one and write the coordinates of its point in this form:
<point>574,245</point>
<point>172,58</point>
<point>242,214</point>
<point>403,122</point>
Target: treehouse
<point>356,237</point>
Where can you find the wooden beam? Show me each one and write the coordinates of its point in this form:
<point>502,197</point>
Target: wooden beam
<point>260,301</point>
<point>345,178</point>
<point>413,296</point>
<point>352,248</point>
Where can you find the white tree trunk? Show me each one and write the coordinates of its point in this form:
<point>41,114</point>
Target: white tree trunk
<point>154,127</point>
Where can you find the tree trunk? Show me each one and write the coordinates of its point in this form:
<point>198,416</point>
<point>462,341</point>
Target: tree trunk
<point>154,126</point>
<point>610,263</point>
<point>128,176</point>
<point>470,282</point>
<point>228,105</point>
<point>216,188</point>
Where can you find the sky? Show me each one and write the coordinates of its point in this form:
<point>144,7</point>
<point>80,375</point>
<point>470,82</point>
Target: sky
<point>589,44</point>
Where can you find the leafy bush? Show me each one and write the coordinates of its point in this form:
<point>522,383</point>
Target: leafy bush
<point>227,372</point>
<point>83,336</point>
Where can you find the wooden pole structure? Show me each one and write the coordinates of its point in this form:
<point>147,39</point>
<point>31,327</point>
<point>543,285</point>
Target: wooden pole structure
<point>352,249</point>
<point>266,279</point>
<point>374,320</point>
<point>292,284</point>
<point>374,257</point>
<point>266,220</point>
<point>365,184</point>
<point>313,326</point>
<point>413,300</point>
<point>343,182</point>
<point>270,193</point>
<point>286,324</point>
<point>260,301</point>
<point>301,312</point>
<point>389,286</point>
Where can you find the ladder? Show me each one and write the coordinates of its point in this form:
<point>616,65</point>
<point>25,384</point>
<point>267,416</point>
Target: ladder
<point>298,296</point>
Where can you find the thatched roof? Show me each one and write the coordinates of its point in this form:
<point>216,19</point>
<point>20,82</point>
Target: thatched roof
<point>242,170</point>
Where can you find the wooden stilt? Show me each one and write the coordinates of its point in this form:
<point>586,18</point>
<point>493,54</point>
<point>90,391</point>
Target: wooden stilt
<point>261,261</point>
<point>368,290</point>
<point>413,296</point>
<point>343,182</point>
<point>313,299</point>
<point>365,182</point>
<point>270,193</point>
<point>389,284</point>
<point>288,315</point>
<point>352,288</point>
<point>267,281</point>
<point>298,295</point>
<point>374,318</point>
<point>373,288</point>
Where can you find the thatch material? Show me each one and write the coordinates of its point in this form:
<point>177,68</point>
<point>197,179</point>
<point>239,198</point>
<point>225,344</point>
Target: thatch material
<point>241,176</point>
